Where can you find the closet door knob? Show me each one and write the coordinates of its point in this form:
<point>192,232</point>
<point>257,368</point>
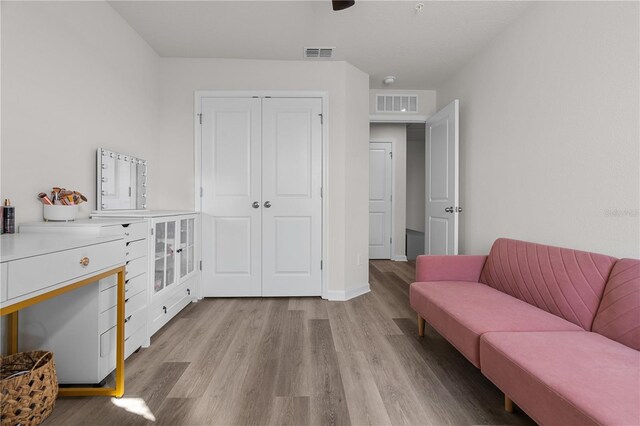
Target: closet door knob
<point>255,205</point>
<point>449,209</point>
<point>267,204</point>
<point>84,261</point>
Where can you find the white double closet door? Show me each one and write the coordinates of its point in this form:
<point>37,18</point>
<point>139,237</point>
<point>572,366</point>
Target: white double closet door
<point>261,196</point>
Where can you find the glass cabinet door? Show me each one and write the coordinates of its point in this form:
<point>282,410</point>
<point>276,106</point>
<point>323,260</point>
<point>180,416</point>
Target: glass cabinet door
<point>165,245</point>
<point>187,249</point>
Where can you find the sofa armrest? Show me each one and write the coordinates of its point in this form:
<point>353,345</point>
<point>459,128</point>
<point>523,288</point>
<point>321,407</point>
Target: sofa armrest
<point>449,268</point>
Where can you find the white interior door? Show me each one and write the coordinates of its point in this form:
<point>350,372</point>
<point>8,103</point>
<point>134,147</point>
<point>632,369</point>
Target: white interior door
<point>380,198</point>
<point>231,182</point>
<point>442,209</point>
<point>291,197</point>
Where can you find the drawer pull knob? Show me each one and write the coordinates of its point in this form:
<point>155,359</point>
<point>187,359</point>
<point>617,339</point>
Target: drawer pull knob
<point>84,261</point>
<point>189,292</point>
<point>127,319</point>
<point>164,308</point>
<point>127,234</point>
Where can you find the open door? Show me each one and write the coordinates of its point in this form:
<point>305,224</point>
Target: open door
<point>442,173</point>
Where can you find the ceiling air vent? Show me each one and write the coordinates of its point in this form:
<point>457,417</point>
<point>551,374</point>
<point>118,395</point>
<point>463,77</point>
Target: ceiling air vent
<point>318,52</point>
<point>397,103</point>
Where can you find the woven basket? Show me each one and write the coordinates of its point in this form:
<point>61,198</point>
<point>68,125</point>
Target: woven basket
<point>29,387</point>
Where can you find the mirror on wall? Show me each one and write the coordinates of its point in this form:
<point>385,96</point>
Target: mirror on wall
<point>122,181</point>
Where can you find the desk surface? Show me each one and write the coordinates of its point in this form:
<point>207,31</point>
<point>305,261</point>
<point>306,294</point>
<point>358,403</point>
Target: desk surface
<point>20,246</point>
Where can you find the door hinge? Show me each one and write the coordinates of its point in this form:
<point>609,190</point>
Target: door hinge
<point>321,193</point>
<point>391,240</point>
<point>201,192</point>
<point>151,231</point>
<point>391,197</point>
<point>391,154</point>
<point>321,118</point>
<point>201,265</point>
<point>321,265</point>
<point>200,117</point>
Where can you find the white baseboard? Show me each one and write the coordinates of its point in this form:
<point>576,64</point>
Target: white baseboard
<point>343,295</point>
<point>397,258</point>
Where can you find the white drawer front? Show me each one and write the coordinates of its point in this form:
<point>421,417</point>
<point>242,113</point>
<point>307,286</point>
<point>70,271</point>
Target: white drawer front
<point>108,318</point>
<point>38,272</point>
<point>135,303</point>
<point>108,282</point>
<point>134,322</point>
<point>3,282</point>
<point>108,298</point>
<point>136,249</point>
<point>135,285</point>
<point>135,268</point>
<point>135,231</point>
<point>134,342</point>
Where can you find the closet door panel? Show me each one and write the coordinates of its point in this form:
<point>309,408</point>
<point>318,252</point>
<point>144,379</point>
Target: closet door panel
<point>231,180</point>
<point>291,183</point>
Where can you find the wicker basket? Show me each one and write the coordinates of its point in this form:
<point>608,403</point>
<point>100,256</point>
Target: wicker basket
<point>29,387</point>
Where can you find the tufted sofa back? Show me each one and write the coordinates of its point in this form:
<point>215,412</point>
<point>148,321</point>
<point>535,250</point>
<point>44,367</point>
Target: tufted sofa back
<point>618,317</point>
<point>567,283</point>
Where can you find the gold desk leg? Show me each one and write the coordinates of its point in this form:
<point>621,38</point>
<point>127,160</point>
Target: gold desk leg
<point>118,391</point>
<point>12,333</point>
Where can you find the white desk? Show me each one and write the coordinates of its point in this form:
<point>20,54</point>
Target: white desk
<point>36,267</point>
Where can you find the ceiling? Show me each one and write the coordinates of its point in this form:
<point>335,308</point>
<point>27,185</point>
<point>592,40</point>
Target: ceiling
<point>379,37</point>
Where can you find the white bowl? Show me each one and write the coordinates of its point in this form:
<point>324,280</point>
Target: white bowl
<point>59,213</point>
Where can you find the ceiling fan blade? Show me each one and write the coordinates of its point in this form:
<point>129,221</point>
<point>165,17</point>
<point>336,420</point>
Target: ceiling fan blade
<point>342,4</point>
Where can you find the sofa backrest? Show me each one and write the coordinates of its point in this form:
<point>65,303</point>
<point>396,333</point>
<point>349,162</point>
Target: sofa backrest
<point>618,316</point>
<point>567,283</point>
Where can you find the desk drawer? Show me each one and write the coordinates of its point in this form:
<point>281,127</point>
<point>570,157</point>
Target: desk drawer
<point>135,267</point>
<point>39,272</point>
<point>136,249</point>
<point>135,231</point>
<point>108,318</point>
<point>135,285</point>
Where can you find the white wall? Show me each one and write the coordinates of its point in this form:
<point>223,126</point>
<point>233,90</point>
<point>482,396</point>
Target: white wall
<point>348,138</point>
<point>75,77</point>
<point>357,181</point>
<point>396,133</point>
<point>426,100</point>
<point>415,179</point>
<point>549,130</point>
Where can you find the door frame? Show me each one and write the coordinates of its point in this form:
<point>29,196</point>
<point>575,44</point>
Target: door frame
<point>197,152</point>
<point>393,190</point>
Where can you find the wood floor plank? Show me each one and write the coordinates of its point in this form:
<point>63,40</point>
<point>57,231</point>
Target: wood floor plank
<point>328,404</point>
<point>364,402</point>
<point>294,363</point>
<point>290,411</point>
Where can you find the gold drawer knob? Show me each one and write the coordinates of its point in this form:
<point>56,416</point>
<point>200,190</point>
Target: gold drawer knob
<point>84,261</point>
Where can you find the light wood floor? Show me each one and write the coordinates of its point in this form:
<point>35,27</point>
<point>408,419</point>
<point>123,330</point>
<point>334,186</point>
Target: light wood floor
<point>299,361</point>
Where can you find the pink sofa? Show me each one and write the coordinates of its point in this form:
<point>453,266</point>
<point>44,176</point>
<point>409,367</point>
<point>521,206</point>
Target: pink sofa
<point>557,330</point>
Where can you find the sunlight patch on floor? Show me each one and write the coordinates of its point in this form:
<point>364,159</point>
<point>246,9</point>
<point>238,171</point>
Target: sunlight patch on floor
<point>134,406</point>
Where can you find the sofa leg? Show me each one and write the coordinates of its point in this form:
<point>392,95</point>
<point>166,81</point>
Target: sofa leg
<point>508,404</point>
<point>420,326</point>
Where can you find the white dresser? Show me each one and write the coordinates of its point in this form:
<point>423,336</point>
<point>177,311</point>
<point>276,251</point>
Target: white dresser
<point>173,260</point>
<point>65,289</point>
<point>92,323</point>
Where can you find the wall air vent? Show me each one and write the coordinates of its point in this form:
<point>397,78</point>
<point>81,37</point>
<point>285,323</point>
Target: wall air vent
<point>397,103</point>
<point>319,52</point>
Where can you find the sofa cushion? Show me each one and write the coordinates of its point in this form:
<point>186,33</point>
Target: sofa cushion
<point>462,311</point>
<point>618,316</point>
<point>567,283</point>
<point>565,378</point>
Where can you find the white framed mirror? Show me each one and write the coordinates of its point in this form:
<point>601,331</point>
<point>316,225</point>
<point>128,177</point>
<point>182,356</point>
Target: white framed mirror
<point>121,181</point>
